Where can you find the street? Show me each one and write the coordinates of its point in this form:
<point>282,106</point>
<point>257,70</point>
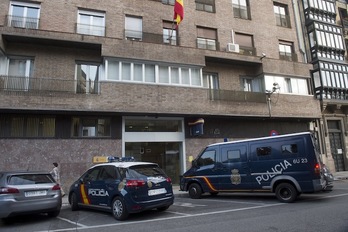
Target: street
<point>325,211</point>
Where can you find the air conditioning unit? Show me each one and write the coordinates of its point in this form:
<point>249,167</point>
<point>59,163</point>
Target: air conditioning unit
<point>231,47</point>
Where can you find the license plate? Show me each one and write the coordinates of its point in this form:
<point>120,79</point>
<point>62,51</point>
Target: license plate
<point>35,193</point>
<point>154,192</point>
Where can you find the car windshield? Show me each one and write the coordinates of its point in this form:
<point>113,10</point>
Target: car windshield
<point>142,171</point>
<point>23,179</point>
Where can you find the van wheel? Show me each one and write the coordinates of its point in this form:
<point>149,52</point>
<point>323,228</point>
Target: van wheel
<point>195,191</point>
<point>286,193</point>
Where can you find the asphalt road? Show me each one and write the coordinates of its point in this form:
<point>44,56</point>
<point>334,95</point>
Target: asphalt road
<point>326,211</point>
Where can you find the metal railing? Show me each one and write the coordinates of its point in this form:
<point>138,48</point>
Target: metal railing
<point>237,96</point>
<point>22,22</point>
<point>88,29</point>
<point>30,84</point>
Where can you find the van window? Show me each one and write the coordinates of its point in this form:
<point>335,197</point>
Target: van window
<point>231,156</point>
<point>263,151</point>
<point>207,158</point>
<point>289,149</point>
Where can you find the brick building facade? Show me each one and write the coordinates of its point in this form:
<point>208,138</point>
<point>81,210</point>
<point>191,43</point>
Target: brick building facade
<point>80,79</point>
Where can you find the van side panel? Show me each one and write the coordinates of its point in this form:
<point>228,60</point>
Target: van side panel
<point>234,167</point>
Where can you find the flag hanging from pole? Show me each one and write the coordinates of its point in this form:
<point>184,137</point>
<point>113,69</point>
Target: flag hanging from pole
<point>178,11</point>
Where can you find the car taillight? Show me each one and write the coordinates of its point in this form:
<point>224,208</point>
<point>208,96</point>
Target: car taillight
<point>6,190</point>
<point>169,180</point>
<point>317,168</point>
<point>56,187</point>
<point>135,183</point>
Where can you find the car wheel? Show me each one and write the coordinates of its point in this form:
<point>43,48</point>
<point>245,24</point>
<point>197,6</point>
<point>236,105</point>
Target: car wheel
<point>286,193</point>
<point>164,208</point>
<point>195,191</point>
<point>73,202</point>
<point>53,213</point>
<point>119,210</point>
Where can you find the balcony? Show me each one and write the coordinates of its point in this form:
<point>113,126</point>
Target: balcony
<point>22,22</point>
<point>283,20</point>
<point>45,85</point>
<point>288,56</point>
<point>237,96</point>
<point>63,95</point>
<point>151,37</point>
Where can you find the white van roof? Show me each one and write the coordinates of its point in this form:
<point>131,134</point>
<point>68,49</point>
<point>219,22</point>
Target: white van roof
<point>261,138</point>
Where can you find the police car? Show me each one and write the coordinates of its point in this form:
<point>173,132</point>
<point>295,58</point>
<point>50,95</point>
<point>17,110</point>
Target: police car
<point>122,187</point>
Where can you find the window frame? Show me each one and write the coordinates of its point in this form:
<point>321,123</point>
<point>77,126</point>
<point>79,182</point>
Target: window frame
<point>79,127</point>
<point>133,29</point>
<point>238,6</point>
<point>205,5</point>
<point>80,79</point>
<point>90,28</point>
<point>34,24</point>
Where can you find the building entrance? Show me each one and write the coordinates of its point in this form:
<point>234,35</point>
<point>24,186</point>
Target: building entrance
<point>336,145</point>
<point>165,154</point>
<point>158,140</point>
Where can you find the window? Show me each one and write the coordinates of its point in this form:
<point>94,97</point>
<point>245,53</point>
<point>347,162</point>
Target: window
<point>207,158</point>
<point>292,85</point>
<point>169,33</point>
<point>246,43</point>
<point>90,127</point>
<point>289,149</point>
<point>231,156</point>
<point>87,77</point>
<point>282,15</point>
<point>205,5</point>
<point>241,9</point>
<point>27,126</point>
<point>286,51</point>
<point>263,151</point>
<point>91,23</point>
<point>244,40</point>
<point>207,38</point>
<point>168,2</point>
<point>25,15</point>
<point>119,70</point>
<point>252,84</point>
<point>140,125</point>
<point>133,28</point>
<point>19,72</point>
<point>211,81</point>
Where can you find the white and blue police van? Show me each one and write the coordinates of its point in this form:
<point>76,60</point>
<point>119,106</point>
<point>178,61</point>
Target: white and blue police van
<point>287,165</point>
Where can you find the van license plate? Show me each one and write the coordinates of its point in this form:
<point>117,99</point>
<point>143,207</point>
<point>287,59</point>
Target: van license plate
<point>154,192</point>
<point>35,193</point>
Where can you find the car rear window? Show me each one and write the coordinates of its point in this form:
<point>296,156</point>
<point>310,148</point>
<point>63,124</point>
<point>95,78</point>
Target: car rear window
<point>23,179</point>
<point>142,171</point>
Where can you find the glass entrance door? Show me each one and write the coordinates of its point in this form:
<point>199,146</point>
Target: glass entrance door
<point>165,154</point>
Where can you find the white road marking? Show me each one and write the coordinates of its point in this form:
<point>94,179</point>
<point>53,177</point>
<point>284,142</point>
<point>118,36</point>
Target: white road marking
<point>72,222</point>
<point>83,227</point>
<point>189,205</point>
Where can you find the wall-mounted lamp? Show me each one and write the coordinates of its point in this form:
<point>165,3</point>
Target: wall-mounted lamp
<point>263,56</point>
<point>269,93</point>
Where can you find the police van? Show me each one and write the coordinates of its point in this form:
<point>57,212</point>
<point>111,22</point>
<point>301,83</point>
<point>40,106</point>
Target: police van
<point>286,165</point>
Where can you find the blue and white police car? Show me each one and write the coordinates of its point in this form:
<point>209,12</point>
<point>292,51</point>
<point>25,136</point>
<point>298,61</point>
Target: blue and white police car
<point>122,187</point>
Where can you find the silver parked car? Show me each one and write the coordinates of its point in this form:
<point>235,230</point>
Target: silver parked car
<point>29,193</point>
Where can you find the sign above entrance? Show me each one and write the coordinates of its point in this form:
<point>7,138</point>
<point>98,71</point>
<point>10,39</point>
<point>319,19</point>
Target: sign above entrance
<point>196,127</point>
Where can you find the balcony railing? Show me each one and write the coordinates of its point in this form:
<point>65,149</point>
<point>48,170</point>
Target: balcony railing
<point>288,57</point>
<point>30,84</point>
<point>248,51</point>
<point>22,22</point>
<point>237,96</point>
<point>283,20</point>
<point>88,29</point>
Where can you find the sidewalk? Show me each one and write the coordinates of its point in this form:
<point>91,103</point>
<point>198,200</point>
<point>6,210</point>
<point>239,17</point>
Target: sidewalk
<point>341,175</point>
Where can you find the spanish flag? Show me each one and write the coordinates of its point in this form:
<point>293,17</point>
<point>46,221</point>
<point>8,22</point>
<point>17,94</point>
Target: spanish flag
<point>178,11</point>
